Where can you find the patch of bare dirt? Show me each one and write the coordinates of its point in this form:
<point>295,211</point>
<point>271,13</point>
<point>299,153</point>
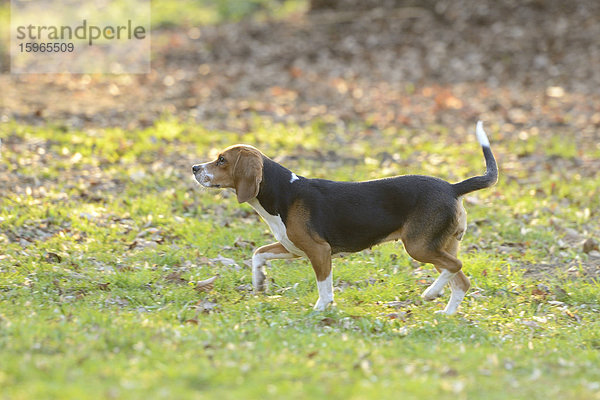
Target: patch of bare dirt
<point>448,62</point>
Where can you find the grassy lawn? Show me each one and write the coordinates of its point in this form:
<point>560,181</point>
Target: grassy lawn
<point>185,13</point>
<point>103,236</point>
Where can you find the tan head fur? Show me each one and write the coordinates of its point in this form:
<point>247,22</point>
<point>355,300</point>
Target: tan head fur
<point>238,167</point>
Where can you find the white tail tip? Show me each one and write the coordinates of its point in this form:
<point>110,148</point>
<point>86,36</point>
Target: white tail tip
<point>481,136</point>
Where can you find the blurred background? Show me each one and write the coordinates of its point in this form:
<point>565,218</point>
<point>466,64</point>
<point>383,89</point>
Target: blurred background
<point>384,63</point>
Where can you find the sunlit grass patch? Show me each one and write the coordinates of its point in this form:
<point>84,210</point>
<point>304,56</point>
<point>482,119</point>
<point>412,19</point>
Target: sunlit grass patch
<point>104,234</point>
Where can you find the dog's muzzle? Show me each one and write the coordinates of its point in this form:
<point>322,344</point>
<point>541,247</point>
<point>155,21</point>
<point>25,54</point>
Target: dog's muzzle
<point>202,177</point>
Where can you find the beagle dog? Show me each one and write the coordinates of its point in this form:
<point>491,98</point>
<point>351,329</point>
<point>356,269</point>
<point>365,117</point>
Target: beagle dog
<point>318,218</point>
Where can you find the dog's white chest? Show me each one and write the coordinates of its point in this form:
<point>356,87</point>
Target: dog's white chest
<point>277,227</point>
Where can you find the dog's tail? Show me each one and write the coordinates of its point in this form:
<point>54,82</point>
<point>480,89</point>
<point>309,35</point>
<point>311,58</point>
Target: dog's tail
<point>491,174</point>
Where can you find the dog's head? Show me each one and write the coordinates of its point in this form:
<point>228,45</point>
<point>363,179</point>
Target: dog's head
<point>239,167</point>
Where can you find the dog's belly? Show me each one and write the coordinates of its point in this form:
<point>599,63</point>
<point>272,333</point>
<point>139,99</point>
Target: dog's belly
<point>277,228</point>
<point>360,232</point>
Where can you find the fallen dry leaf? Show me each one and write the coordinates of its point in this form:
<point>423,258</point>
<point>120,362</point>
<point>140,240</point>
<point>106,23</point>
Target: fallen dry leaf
<point>312,354</point>
<point>573,315</point>
<point>531,324</point>
<point>590,245</point>
<point>399,303</point>
<point>175,277</point>
<point>244,288</point>
<point>206,306</point>
<point>206,285</point>
<point>52,257</point>
<point>239,242</point>
<point>397,315</point>
<point>228,262</point>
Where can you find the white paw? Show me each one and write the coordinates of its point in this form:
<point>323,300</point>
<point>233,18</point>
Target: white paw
<point>258,281</point>
<point>430,293</point>
<point>321,304</point>
<point>445,312</point>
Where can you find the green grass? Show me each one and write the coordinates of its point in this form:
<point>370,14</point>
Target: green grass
<point>101,230</point>
<point>187,13</point>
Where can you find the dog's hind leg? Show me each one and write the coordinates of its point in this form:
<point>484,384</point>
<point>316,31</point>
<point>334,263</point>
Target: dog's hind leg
<point>459,283</point>
<point>444,261</point>
<point>449,267</point>
<point>435,241</point>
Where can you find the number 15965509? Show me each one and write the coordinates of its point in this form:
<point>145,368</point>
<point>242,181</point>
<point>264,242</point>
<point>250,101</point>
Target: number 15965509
<point>46,47</point>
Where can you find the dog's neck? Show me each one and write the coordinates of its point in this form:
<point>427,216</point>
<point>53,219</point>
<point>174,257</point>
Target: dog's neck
<point>277,188</point>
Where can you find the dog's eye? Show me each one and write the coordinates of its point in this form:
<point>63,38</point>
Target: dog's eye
<point>220,160</point>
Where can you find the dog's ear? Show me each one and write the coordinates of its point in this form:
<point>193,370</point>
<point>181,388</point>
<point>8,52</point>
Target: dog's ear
<point>247,174</point>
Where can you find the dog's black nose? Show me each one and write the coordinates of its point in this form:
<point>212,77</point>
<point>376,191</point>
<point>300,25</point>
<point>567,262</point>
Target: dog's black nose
<point>195,168</point>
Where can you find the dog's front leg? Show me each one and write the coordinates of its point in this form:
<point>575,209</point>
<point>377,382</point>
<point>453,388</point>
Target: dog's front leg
<point>259,259</point>
<point>325,288</point>
<point>320,258</point>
